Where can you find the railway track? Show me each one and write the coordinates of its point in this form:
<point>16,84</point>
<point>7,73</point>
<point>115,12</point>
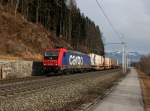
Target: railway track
<point>27,87</point>
<point>13,88</point>
<point>56,92</point>
<point>36,78</point>
<point>8,81</point>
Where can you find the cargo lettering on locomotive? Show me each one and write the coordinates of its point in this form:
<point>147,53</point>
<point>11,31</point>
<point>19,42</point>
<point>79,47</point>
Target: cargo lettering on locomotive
<point>75,60</point>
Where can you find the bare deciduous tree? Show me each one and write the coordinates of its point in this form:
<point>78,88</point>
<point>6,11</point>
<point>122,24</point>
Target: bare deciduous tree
<point>17,5</point>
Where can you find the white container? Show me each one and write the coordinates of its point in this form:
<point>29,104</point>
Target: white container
<point>97,61</point>
<point>108,63</point>
<point>114,63</point>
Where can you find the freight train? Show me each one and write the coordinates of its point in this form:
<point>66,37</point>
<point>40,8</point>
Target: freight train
<point>64,60</point>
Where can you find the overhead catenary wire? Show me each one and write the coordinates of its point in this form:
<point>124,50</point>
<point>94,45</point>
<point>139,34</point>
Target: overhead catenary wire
<point>109,21</point>
<point>124,66</point>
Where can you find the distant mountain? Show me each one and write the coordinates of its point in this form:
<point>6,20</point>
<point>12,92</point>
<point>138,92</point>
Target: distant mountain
<point>133,56</point>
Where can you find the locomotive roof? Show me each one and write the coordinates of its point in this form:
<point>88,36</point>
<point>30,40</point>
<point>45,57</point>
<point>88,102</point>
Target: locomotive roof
<point>72,51</point>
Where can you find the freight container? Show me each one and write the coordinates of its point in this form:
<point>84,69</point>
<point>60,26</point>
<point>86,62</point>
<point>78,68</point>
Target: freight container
<point>97,61</point>
<point>114,63</point>
<point>108,63</point>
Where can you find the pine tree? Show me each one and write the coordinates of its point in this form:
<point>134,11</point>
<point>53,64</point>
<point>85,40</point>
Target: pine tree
<point>62,18</point>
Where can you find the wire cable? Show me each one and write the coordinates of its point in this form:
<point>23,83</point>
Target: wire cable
<point>108,20</point>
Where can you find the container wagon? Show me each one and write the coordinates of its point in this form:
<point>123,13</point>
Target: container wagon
<point>97,61</point>
<point>108,63</point>
<point>115,64</point>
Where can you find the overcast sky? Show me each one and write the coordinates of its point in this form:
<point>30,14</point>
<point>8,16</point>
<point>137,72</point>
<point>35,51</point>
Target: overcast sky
<point>130,17</point>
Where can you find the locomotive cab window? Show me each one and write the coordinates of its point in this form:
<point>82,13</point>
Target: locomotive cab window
<point>53,55</point>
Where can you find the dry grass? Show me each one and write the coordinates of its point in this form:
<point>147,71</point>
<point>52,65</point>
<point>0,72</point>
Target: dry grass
<point>24,56</point>
<point>145,84</point>
<point>23,39</point>
<point>71,94</point>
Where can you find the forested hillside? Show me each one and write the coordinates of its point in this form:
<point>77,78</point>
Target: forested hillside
<point>62,18</point>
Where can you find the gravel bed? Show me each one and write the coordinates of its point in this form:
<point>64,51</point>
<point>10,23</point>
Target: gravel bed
<point>73,91</point>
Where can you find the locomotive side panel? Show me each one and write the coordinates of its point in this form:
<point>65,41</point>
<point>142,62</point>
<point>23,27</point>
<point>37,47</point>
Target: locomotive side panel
<point>75,60</point>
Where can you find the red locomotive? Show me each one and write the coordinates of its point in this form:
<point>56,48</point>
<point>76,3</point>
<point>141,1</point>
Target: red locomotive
<point>61,59</point>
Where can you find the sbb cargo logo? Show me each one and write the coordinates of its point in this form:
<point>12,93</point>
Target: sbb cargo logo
<point>75,60</point>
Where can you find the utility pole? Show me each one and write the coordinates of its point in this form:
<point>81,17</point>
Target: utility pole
<point>127,60</point>
<point>124,55</point>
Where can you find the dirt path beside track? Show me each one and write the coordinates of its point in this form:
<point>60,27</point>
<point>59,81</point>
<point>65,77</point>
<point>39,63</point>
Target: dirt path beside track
<point>145,84</point>
<point>126,96</point>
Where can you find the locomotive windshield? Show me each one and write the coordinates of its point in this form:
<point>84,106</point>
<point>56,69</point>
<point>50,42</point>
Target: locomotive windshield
<point>51,55</point>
